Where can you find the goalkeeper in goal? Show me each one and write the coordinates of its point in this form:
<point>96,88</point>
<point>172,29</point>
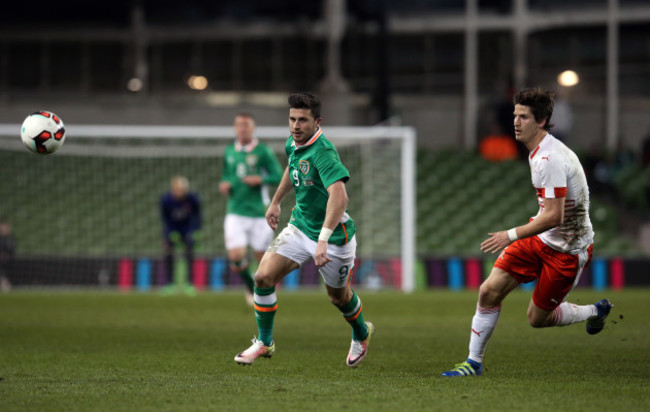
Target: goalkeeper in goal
<point>181,215</point>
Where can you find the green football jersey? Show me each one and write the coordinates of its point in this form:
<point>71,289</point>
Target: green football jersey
<point>251,160</point>
<point>312,169</point>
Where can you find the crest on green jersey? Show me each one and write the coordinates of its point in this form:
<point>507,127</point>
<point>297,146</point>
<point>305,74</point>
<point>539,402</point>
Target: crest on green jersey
<point>304,166</point>
<point>251,160</point>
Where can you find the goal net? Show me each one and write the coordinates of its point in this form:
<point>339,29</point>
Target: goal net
<point>89,214</point>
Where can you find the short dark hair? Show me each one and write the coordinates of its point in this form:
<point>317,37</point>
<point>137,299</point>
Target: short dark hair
<point>246,114</point>
<point>305,100</point>
<point>540,102</point>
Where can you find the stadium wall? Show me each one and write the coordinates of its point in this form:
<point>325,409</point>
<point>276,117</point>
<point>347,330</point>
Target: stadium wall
<point>144,273</point>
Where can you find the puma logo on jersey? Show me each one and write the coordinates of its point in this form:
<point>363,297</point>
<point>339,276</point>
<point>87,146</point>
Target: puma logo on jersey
<point>478,333</point>
<point>546,157</point>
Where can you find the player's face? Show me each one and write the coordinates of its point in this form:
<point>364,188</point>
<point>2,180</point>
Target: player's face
<point>302,124</point>
<point>527,129</point>
<point>244,129</point>
<point>178,190</point>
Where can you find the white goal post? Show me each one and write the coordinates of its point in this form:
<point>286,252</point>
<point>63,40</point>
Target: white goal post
<point>112,136</point>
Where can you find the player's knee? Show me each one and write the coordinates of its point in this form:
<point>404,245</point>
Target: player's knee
<point>488,297</point>
<point>263,281</point>
<point>339,298</point>
<point>537,321</point>
<point>337,301</point>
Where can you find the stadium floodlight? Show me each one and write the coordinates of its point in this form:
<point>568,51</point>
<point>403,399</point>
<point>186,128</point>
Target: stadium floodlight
<point>568,78</point>
<point>134,84</point>
<point>197,82</point>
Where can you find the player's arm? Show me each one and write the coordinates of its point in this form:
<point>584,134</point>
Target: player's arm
<point>197,220</point>
<point>273,212</point>
<point>272,168</point>
<point>12,246</point>
<point>336,206</point>
<point>164,212</point>
<point>552,216</point>
<point>226,178</point>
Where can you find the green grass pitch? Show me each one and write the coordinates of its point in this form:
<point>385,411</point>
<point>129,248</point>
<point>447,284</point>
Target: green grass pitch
<point>67,351</point>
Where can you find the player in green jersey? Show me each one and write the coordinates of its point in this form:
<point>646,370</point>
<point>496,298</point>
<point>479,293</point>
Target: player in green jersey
<point>320,229</point>
<point>248,167</point>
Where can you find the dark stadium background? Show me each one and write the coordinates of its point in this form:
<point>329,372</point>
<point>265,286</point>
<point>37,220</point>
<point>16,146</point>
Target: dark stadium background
<point>406,62</point>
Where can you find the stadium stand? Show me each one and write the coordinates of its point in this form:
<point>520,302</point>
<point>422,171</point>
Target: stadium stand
<point>460,197</point>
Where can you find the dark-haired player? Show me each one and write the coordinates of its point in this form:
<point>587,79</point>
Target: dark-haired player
<point>320,229</point>
<point>553,248</point>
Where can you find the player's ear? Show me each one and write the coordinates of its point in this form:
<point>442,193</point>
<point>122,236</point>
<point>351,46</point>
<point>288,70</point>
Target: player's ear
<point>318,121</point>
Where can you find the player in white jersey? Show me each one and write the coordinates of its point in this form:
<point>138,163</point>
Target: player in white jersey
<point>553,248</point>
<point>556,172</point>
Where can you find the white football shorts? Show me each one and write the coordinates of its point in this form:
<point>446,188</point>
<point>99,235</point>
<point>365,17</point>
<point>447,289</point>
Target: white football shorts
<point>295,245</point>
<point>242,231</point>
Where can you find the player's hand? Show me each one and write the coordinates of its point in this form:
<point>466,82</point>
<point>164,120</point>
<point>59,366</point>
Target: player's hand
<point>252,180</point>
<point>273,215</point>
<point>195,238</point>
<point>320,257</point>
<point>224,188</point>
<point>176,238</point>
<point>495,242</point>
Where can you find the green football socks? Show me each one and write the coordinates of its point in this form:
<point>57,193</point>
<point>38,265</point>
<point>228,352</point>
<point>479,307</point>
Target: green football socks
<point>248,279</point>
<point>245,274</point>
<point>266,304</point>
<point>353,313</point>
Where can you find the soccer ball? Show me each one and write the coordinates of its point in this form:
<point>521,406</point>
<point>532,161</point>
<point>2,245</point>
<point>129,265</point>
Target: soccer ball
<point>43,132</point>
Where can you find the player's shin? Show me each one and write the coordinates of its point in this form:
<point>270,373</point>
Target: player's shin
<point>568,313</point>
<point>169,268</point>
<point>189,258</point>
<point>353,313</point>
<point>483,324</point>
<point>266,304</point>
<point>243,268</point>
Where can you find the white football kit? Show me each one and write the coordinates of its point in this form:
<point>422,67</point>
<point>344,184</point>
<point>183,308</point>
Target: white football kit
<point>241,231</point>
<point>556,172</point>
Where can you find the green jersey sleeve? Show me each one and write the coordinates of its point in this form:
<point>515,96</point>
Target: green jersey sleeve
<point>272,167</point>
<point>330,168</point>
<point>228,173</point>
<point>288,146</point>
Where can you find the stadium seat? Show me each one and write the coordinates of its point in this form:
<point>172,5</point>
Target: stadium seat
<point>457,203</point>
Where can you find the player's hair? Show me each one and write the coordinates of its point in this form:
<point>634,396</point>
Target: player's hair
<point>246,114</point>
<point>305,100</point>
<point>540,102</point>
